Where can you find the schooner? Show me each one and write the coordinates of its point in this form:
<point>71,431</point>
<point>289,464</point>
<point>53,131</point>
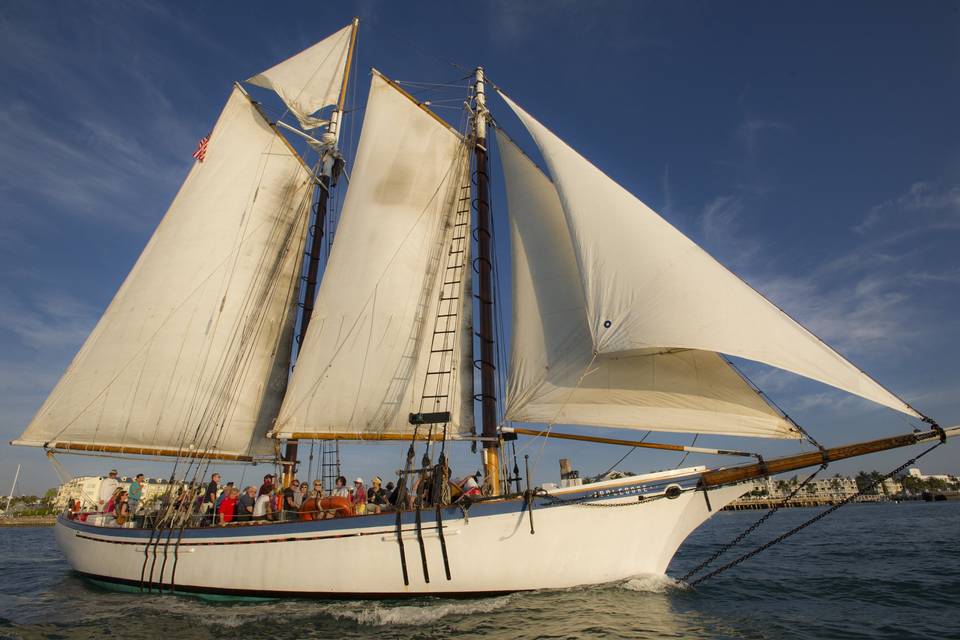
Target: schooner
<point>618,320</point>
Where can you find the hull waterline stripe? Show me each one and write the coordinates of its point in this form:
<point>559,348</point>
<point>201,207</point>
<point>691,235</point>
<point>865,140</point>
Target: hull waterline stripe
<point>313,595</point>
<point>355,534</point>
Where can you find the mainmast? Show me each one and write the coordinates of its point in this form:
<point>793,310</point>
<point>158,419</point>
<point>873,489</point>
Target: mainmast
<point>330,168</point>
<point>484,267</point>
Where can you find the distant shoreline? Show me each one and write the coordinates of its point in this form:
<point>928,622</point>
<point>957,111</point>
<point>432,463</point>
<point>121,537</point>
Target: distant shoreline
<point>29,521</point>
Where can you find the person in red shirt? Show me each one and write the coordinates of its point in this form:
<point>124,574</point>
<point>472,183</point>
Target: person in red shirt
<point>228,506</point>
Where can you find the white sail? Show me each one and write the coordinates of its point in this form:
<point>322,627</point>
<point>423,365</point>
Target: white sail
<point>310,80</point>
<point>193,351</point>
<point>647,286</point>
<point>554,376</point>
<point>364,363</point>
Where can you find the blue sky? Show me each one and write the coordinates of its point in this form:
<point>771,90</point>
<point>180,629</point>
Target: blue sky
<point>812,148</point>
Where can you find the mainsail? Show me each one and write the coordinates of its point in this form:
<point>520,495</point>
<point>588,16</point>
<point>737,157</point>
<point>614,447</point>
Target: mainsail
<point>393,306</point>
<point>554,375</point>
<point>647,286</point>
<point>310,80</point>
<point>191,356</point>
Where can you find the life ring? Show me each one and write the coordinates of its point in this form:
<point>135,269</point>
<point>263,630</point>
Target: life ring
<point>341,507</point>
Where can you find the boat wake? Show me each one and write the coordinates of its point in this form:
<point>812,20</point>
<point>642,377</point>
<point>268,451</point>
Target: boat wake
<point>379,615</point>
<point>653,583</point>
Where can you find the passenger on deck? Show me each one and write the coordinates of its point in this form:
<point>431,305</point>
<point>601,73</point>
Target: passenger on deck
<point>358,497</point>
<point>246,503</point>
<point>341,491</point>
<point>393,494</point>
<point>112,502</point>
<point>377,497</point>
<point>289,501</point>
<point>267,485</point>
<point>208,505</point>
<point>135,493</point>
<point>121,510</point>
<point>227,507</point>
<point>223,494</point>
<point>107,488</point>
<point>302,494</point>
<point>263,507</point>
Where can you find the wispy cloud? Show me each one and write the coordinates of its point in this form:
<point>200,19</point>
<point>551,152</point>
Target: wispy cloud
<point>48,320</point>
<point>925,205</point>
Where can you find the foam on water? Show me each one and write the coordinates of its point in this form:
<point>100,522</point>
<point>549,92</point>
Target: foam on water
<point>379,615</point>
<point>653,583</point>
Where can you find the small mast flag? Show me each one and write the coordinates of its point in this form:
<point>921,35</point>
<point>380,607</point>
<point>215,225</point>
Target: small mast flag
<point>201,151</point>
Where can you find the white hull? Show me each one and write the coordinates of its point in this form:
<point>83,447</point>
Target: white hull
<point>490,551</point>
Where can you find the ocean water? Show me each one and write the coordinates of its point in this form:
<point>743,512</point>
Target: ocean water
<point>867,571</point>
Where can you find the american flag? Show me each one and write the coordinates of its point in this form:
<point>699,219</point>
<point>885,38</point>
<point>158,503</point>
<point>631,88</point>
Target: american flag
<point>201,151</point>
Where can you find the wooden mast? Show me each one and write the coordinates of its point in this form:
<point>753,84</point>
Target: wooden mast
<point>327,180</point>
<point>484,268</point>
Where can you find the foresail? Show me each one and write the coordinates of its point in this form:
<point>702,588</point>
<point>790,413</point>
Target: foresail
<point>393,303</point>
<point>192,354</point>
<point>647,286</point>
<point>554,376</point>
<point>310,80</point>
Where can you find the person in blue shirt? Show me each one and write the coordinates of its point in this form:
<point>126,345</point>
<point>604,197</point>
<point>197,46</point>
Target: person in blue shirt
<point>135,493</point>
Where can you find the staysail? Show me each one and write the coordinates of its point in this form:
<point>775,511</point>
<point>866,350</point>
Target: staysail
<point>393,306</point>
<point>554,375</point>
<point>647,286</point>
<point>310,80</point>
<point>192,354</point>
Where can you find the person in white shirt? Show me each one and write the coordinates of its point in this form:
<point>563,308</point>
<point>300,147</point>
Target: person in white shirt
<point>107,487</point>
<point>261,508</point>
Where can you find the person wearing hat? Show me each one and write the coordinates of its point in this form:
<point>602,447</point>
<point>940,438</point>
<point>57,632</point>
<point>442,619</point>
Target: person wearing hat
<point>359,497</point>
<point>267,487</point>
<point>376,496</point>
<point>108,486</point>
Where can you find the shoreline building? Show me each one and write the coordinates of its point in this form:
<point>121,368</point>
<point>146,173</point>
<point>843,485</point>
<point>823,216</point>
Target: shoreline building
<point>86,489</point>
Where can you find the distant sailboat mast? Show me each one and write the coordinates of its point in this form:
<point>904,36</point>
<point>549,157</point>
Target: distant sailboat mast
<point>12,489</point>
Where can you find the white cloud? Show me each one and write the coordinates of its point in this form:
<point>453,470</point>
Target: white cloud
<point>925,206</point>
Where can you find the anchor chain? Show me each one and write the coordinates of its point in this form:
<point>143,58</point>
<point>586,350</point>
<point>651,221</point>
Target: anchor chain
<point>756,525</point>
<point>812,520</point>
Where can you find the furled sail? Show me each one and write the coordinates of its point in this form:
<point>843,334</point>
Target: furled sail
<point>192,355</point>
<point>393,306</point>
<point>554,376</point>
<point>647,286</point>
<point>310,80</point>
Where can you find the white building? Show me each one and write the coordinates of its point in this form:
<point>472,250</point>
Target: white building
<point>86,489</point>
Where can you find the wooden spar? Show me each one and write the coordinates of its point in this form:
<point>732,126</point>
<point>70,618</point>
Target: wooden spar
<point>326,182</point>
<point>628,443</point>
<point>484,269</point>
<point>346,68</point>
<point>147,451</point>
<point>774,466</point>
<point>374,437</point>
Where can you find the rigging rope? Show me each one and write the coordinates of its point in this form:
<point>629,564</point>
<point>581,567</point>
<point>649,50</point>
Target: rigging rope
<point>804,525</point>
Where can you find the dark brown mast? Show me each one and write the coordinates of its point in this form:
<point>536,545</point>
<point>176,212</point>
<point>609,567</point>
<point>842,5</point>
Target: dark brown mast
<point>484,267</point>
<point>327,180</point>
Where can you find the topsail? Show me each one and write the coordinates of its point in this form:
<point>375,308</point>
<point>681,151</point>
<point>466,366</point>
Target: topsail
<point>310,80</point>
<point>647,286</point>
<point>191,356</point>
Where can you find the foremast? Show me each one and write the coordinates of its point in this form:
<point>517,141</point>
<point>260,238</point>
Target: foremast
<point>330,165</point>
<point>484,268</point>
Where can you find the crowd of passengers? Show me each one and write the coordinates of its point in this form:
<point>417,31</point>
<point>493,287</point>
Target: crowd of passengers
<point>213,503</point>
